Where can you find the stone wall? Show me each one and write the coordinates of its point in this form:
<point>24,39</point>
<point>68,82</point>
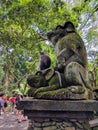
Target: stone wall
<point>58,124</point>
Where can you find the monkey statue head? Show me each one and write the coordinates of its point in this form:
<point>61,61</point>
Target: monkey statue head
<point>69,27</point>
<point>60,31</point>
<point>56,34</point>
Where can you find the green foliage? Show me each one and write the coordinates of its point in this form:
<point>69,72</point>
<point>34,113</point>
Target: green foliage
<point>1,73</point>
<point>93,68</point>
<point>23,89</point>
<point>24,25</point>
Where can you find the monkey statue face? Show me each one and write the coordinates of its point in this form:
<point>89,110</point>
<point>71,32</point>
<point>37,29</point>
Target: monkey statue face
<point>56,35</point>
<point>37,80</point>
<point>60,31</point>
<point>69,26</point>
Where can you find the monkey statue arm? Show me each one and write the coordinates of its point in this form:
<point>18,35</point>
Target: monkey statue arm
<point>63,56</point>
<point>68,55</point>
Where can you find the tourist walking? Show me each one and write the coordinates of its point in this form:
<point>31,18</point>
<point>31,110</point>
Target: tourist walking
<point>2,103</point>
<point>12,103</point>
<point>5,98</point>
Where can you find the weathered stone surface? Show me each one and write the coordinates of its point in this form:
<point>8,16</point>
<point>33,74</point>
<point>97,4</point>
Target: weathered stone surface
<point>37,124</point>
<point>93,122</point>
<point>79,125</point>
<point>50,128</point>
<point>48,124</point>
<point>68,124</point>
<point>55,91</point>
<point>86,125</point>
<point>60,105</point>
<point>59,115</point>
<point>96,128</point>
<point>70,128</point>
<point>36,128</point>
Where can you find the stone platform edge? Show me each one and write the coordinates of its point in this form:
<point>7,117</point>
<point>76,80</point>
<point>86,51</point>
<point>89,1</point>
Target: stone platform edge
<point>58,105</point>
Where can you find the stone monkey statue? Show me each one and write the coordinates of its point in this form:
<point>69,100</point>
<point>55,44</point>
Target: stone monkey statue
<point>71,64</point>
<point>71,53</point>
<point>73,46</point>
<point>45,80</point>
<point>68,45</point>
<point>45,61</point>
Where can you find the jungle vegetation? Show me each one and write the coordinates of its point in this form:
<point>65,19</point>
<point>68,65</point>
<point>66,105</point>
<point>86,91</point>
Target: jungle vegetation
<point>23,28</point>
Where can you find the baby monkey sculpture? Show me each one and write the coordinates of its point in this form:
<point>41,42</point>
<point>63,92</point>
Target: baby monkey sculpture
<point>69,79</point>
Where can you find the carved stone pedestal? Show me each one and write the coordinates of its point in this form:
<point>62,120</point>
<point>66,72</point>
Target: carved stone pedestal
<point>59,115</point>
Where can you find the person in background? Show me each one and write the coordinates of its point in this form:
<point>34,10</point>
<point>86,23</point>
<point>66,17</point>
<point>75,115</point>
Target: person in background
<point>12,103</point>
<point>2,103</point>
<point>21,115</point>
<point>19,97</point>
<point>5,98</point>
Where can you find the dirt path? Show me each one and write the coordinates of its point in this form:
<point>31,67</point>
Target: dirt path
<point>9,122</point>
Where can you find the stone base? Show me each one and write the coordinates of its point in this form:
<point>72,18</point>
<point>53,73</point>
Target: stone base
<point>59,115</point>
<point>58,124</point>
<point>59,120</point>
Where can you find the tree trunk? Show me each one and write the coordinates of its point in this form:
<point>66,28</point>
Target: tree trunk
<point>6,76</point>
